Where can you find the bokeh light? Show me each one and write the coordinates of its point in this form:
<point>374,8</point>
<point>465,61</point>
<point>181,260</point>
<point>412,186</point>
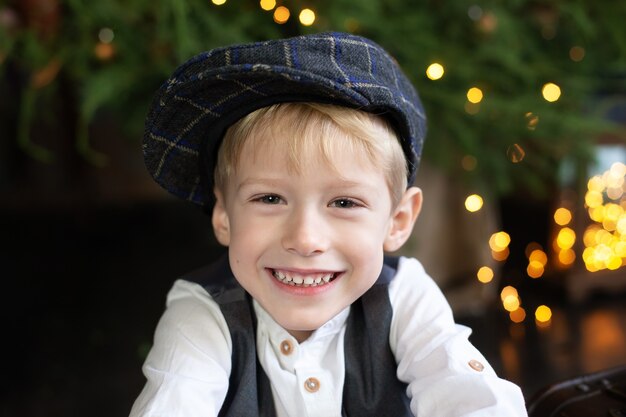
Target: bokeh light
<point>307,17</point>
<point>562,216</point>
<point>543,314</point>
<point>267,4</point>
<point>281,15</point>
<point>473,203</point>
<point>551,92</point>
<point>474,95</point>
<point>435,71</point>
<point>605,238</point>
<point>485,274</point>
<point>518,316</point>
<point>577,53</point>
<point>469,162</point>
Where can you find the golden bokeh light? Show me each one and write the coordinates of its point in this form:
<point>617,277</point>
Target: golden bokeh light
<point>473,203</point>
<point>567,257</point>
<point>518,315</point>
<point>551,92</point>
<point>508,290</point>
<point>474,95</point>
<point>485,274</point>
<point>596,183</point>
<point>499,241</point>
<point>267,4</point>
<point>593,198</point>
<point>538,255</point>
<point>218,2</point>
<point>605,239</point>
<point>501,255</point>
<point>511,303</point>
<point>566,238</point>
<point>543,314</point>
<point>307,17</point>
<point>435,71</point>
<point>562,216</point>
<point>535,269</point>
<point>281,15</point>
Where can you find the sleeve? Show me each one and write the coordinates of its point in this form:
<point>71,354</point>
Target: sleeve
<point>445,373</point>
<point>188,366</point>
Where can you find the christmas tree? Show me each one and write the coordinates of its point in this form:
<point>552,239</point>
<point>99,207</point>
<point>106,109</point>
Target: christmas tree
<point>510,90</point>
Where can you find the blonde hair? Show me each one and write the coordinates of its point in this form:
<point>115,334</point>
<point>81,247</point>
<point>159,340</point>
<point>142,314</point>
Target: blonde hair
<point>311,127</point>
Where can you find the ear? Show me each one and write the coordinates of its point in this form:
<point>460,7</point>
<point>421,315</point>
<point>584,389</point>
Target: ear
<point>219,219</point>
<point>403,219</point>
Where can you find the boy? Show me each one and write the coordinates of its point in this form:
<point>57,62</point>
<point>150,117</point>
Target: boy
<point>305,150</point>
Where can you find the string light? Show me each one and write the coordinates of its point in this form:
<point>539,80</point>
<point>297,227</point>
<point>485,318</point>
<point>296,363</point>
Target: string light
<point>435,71</point>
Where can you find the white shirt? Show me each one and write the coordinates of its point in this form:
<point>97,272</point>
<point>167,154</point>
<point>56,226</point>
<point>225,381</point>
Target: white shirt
<point>188,367</point>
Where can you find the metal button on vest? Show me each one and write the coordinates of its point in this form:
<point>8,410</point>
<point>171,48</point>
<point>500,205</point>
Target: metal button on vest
<point>286,347</point>
<point>312,384</point>
<point>476,365</point>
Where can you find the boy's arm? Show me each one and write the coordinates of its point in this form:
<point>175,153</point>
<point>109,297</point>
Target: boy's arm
<point>188,366</point>
<point>447,376</point>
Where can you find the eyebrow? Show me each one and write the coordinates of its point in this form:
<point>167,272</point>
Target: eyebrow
<point>339,184</point>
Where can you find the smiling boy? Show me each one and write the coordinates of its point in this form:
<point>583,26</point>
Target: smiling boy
<point>305,149</point>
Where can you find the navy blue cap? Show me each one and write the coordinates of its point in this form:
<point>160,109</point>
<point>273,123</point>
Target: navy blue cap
<point>193,108</point>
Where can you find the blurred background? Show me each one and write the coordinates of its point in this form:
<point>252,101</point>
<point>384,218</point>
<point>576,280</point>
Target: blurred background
<point>523,225</point>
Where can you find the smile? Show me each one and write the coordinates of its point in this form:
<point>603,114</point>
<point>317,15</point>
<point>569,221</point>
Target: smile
<point>304,280</point>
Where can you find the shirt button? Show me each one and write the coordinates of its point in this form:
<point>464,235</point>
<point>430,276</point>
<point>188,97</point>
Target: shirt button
<point>286,347</point>
<point>312,384</point>
<point>476,365</point>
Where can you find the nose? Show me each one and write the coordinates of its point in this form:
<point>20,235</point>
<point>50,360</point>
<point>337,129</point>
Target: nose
<point>305,233</point>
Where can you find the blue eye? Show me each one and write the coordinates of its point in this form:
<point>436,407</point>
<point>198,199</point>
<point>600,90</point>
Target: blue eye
<point>344,203</point>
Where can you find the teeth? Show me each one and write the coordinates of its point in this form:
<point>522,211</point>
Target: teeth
<point>304,281</point>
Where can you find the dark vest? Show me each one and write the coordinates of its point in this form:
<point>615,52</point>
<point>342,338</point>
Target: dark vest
<point>371,387</point>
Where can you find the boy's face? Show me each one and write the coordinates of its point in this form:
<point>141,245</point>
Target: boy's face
<point>306,245</point>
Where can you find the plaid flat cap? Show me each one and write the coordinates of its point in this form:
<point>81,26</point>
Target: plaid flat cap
<point>193,108</point>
